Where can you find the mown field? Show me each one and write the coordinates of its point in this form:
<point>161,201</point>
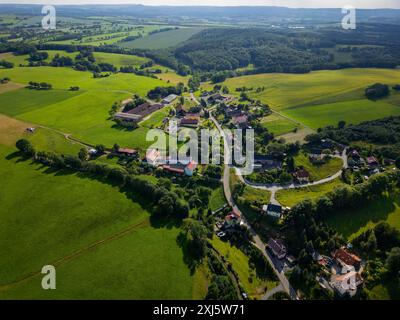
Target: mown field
<point>162,40</point>
<point>352,223</point>
<point>83,114</point>
<point>104,248</point>
<point>318,172</point>
<point>323,97</point>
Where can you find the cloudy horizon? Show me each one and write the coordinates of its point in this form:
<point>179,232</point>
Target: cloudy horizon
<point>371,4</point>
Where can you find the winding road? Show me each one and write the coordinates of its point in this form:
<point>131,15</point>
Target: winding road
<point>256,239</point>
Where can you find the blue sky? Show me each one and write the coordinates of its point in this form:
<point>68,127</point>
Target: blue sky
<point>285,3</point>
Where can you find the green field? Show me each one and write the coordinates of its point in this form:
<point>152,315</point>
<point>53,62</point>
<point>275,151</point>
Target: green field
<point>103,248</point>
<point>162,40</point>
<point>254,286</point>
<point>323,97</point>
<point>354,222</point>
<point>278,125</point>
<point>290,197</point>
<point>217,199</point>
<point>318,172</point>
<point>83,114</point>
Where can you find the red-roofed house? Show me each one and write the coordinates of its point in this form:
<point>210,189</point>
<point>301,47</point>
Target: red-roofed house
<point>128,152</point>
<point>346,258</point>
<point>152,157</point>
<point>189,170</point>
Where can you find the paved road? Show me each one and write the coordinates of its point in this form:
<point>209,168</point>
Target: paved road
<point>256,239</point>
<point>271,292</point>
<point>273,188</point>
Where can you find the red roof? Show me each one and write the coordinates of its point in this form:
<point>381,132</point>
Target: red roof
<point>192,165</point>
<point>372,160</point>
<point>346,257</point>
<point>127,151</point>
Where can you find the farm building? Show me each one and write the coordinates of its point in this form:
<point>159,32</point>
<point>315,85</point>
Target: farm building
<point>346,283</point>
<point>169,99</point>
<point>128,117</point>
<point>145,109</point>
<point>127,152</point>
<point>266,162</point>
<point>272,210</point>
<point>345,258</point>
<point>302,175</point>
<point>278,248</point>
<point>241,122</point>
<point>190,120</point>
<point>153,157</point>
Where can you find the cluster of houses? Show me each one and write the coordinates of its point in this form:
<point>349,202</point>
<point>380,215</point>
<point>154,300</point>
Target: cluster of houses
<point>230,223</point>
<point>186,119</point>
<point>356,162</point>
<point>184,168</point>
<point>137,114</point>
<point>215,97</point>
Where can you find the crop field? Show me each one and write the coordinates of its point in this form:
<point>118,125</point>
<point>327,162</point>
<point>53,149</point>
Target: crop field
<point>162,40</point>
<point>119,60</point>
<point>353,223</point>
<point>83,114</point>
<point>290,197</point>
<point>323,97</point>
<point>57,218</point>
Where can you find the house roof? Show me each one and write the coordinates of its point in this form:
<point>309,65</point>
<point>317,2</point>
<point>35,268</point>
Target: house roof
<point>127,151</point>
<point>170,98</point>
<point>346,257</point>
<point>192,165</point>
<point>274,208</point>
<point>302,173</point>
<point>123,115</point>
<point>174,168</point>
<point>277,245</point>
<point>371,160</point>
<point>240,119</point>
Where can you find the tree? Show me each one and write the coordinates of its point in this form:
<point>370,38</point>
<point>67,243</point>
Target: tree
<point>100,148</point>
<point>393,261</point>
<point>25,147</point>
<point>115,148</point>
<point>341,124</point>
<point>398,163</point>
<point>196,236</point>
<point>83,154</point>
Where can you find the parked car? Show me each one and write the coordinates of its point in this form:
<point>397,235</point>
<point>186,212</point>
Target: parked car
<point>221,234</point>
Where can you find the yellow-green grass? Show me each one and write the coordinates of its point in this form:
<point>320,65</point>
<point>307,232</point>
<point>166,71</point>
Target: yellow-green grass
<point>278,124</point>
<point>48,140</point>
<point>290,197</point>
<point>23,59</point>
<point>254,286</point>
<point>352,223</point>
<point>299,135</point>
<point>318,172</point>
<point>119,60</point>
<point>322,98</point>
<point>353,112</point>
<point>217,199</point>
<point>83,114</point>
<point>289,90</point>
<point>104,247</point>
<point>162,40</point>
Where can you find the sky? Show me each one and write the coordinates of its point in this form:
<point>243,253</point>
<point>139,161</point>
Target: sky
<point>283,3</point>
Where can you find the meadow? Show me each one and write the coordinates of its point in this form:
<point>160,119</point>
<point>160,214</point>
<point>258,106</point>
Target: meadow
<point>162,40</point>
<point>323,97</point>
<point>352,223</point>
<point>84,114</point>
<point>103,248</point>
<point>318,172</point>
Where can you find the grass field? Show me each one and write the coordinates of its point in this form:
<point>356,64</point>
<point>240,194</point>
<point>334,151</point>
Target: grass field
<point>103,248</point>
<point>162,40</point>
<point>9,86</point>
<point>254,285</point>
<point>320,172</point>
<point>353,223</point>
<point>289,198</point>
<point>323,97</point>
<point>83,114</point>
<point>217,199</point>
<point>278,125</point>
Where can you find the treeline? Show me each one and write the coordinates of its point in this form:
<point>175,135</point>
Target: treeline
<point>164,202</point>
<point>162,92</point>
<point>385,133</point>
<point>7,65</point>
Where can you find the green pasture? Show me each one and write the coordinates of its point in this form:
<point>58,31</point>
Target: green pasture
<point>318,172</point>
<point>103,247</point>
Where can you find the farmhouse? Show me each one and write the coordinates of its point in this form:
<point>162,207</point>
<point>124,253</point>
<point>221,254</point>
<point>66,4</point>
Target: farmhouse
<point>169,99</point>
<point>346,283</point>
<point>232,220</point>
<point>128,117</point>
<point>190,120</point>
<point>145,109</point>
<point>345,258</point>
<point>218,98</point>
<point>278,248</point>
<point>272,210</point>
<point>127,152</point>
<point>302,175</point>
<point>372,162</point>
<point>241,122</point>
